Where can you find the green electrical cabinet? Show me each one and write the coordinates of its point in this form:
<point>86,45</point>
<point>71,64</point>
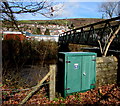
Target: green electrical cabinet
<point>76,72</point>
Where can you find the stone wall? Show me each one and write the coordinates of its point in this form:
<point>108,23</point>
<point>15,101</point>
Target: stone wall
<point>106,72</point>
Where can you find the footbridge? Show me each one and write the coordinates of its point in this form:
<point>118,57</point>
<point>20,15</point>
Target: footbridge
<point>91,34</point>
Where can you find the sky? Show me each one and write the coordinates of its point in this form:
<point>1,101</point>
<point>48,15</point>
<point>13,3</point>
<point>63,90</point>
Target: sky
<point>70,9</point>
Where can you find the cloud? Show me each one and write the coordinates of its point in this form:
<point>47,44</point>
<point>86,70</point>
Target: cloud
<point>87,7</point>
<point>73,9</point>
<point>59,10</point>
<point>63,10</point>
<point>85,0</point>
<point>80,10</point>
<point>70,10</point>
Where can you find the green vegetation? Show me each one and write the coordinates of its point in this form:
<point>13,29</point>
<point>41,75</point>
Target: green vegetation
<point>76,22</point>
<point>37,31</point>
<point>72,26</point>
<point>71,23</point>
<point>46,22</point>
<point>47,32</point>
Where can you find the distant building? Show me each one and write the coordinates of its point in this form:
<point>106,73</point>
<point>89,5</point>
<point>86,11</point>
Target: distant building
<point>28,36</point>
<point>43,37</point>
<point>13,35</point>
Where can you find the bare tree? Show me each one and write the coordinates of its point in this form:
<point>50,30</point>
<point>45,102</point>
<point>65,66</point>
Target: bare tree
<point>108,42</point>
<point>10,9</point>
<point>109,9</point>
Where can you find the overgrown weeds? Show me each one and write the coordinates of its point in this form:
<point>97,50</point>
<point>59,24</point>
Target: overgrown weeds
<point>17,55</point>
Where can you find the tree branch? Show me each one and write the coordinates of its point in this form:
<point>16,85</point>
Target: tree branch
<point>101,50</point>
<point>109,36</point>
<point>111,39</point>
<point>11,14</point>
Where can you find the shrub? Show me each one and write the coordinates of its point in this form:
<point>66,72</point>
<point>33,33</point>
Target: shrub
<point>16,55</point>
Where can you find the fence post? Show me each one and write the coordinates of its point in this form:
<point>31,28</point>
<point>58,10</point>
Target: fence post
<point>52,81</point>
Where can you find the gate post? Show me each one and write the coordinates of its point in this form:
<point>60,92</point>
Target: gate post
<point>52,81</point>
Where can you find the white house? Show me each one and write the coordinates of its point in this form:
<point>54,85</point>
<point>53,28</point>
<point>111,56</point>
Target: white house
<point>42,37</point>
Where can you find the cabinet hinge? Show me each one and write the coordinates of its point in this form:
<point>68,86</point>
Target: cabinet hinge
<point>94,60</point>
<point>67,89</point>
<point>67,61</point>
<point>93,84</point>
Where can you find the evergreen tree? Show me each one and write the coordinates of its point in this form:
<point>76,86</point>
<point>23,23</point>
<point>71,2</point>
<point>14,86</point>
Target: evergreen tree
<point>71,26</point>
<point>47,32</point>
<point>38,31</point>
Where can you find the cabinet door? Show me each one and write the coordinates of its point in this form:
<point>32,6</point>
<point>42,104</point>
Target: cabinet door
<point>73,74</point>
<point>88,72</point>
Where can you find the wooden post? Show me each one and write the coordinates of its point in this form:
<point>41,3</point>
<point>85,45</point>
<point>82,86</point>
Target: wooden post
<point>52,81</point>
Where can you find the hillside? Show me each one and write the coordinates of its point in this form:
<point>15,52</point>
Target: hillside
<point>77,22</point>
<point>55,27</point>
